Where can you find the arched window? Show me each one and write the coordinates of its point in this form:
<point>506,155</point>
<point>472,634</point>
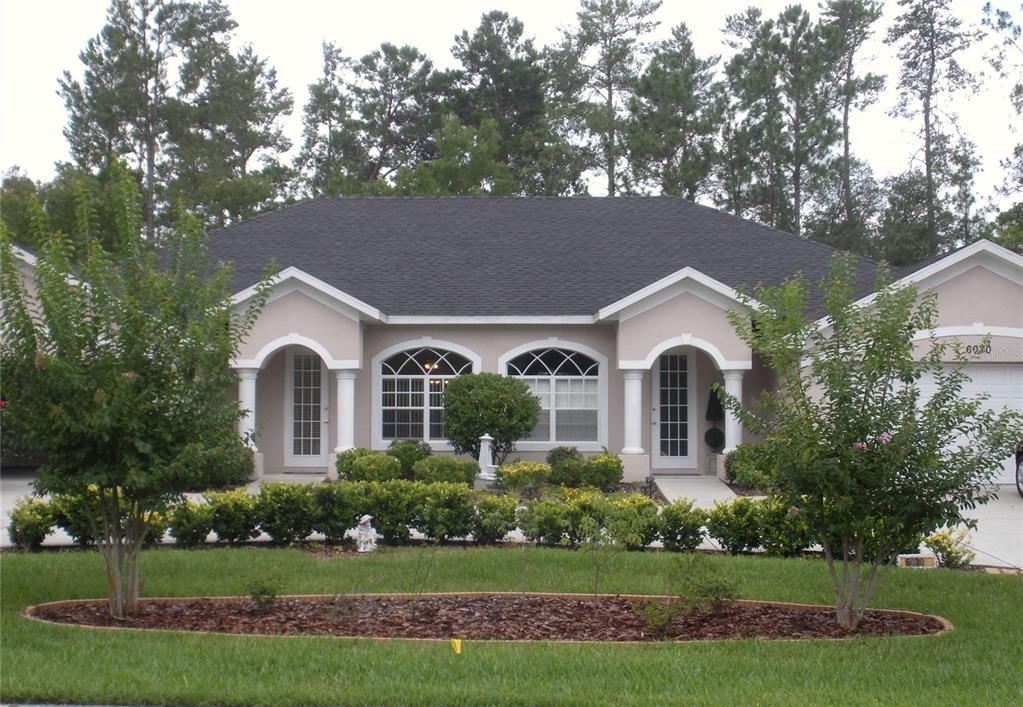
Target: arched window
<point>566,383</point>
<point>412,389</point>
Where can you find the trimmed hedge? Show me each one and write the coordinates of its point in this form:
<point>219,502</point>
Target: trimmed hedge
<point>682,526</point>
<point>190,522</point>
<point>338,509</point>
<point>31,522</point>
<point>522,475</point>
<point>445,469</point>
<point>408,452</point>
<point>286,512</point>
<point>234,515</point>
<point>375,466</point>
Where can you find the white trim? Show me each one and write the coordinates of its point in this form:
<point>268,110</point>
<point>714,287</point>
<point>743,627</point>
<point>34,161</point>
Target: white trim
<point>602,396</point>
<point>503,319</point>
<point>690,460</point>
<point>293,273</point>
<point>376,386</point>
<point>975,329</point>
<point>686,273</point>
<point>685,340</point>
<point>294,339</point>
<point>305,461</point>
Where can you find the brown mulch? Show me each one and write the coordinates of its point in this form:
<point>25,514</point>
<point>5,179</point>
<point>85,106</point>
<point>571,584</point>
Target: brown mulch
<point>482,617</point>
<point>740,490</point>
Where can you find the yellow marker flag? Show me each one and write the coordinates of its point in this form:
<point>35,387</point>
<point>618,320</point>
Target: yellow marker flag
<point>456,645</point>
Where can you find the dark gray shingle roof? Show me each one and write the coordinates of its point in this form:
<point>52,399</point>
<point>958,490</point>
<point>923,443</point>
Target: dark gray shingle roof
<point>465,256</point>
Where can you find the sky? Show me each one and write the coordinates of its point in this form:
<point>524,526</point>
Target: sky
<point>290,34</point>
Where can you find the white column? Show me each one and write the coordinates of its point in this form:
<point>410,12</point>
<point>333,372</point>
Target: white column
<point>733,427</point>
<point>633,412</point>
<point>345,381</point>
<point>247,402</point>
<point>486,458</point>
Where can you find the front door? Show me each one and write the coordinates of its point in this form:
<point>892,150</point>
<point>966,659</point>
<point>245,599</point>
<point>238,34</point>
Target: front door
<point>672,420</point>
<point>308,411</point>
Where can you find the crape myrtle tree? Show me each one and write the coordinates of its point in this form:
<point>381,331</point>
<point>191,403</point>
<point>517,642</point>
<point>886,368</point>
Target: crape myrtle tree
<point>476,404</point>
<point>852,445</point>
<point>118,369</point>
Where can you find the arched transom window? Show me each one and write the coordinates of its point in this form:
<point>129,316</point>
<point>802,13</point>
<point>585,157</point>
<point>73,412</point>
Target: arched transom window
<point>566,383</point>
<point>412,386</point>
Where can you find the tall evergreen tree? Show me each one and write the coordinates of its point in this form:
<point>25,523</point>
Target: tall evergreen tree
<point>466,162</point>
<point>675,115</point>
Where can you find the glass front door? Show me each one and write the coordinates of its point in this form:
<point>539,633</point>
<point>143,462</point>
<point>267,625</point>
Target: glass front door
<point>671,413</point>
<point>308,412</point>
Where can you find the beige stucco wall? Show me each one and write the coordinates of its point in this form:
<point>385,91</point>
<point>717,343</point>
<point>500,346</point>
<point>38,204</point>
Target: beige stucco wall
<point>297,313</point>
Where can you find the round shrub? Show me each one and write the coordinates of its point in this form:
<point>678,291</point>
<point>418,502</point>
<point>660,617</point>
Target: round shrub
<point>545,522</point>
<point>493,518</point>
<point>487,403</point>
<point>286,512</point>
<point>744,465</point>
<point>558,454</point>
<point>156,527</point>
<point>633,521</point>
<point>521,475</point>
<point>346,460</point>
<point>682,526</point>
<point>229,463</point>
<point>338,508</point>
<point>566,465</point>
<point>603,471</point>
<point>783,533</point>
<point>587,512</point>
<point>190,522</point>
<point>233,515</point>
<point>72,515</point>
<point>375,467</point>
<point>735,525</point>
<point>31,522</point>
<point>445,469</point>
<point>395,505</point>
<point>408,452</point>
<point>445,512</point>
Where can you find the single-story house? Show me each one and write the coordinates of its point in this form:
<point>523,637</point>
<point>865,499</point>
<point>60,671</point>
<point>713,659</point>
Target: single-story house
<point>613,311</point>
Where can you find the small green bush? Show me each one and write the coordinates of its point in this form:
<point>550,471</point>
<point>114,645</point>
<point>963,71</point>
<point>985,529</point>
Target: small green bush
<point>700,586</point>
<point>338,508</point>
<point>445,469</point>
<point>408,452</point>
<point>745,466</point>
<point>603,471</point>
<point>445,512</point>
<point>72,515</point>
<point>31,522</point>
<point>228,464</point>
<point>375,467</point>
<point>951,547</point>
<point>264,591</point>
<point>190,522</point>
<point>566,465</point>
<point>522,475</point>
<point>234,517</point>
<point>682,526</point>
<point>493,518</point>
<point>395,505</point>
<point>586,512</point>
<point>735,525</point>
<point>346,460</point>
<point>632,520</point>
<point>156,527</point>
<point>286,512</point>
<point>558,454</point>
<point>546,522</point>
<point>784,532</point>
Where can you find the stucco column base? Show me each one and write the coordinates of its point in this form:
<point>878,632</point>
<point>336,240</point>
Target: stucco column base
<point>637,466</point>
<point>481,484</point>
<point>332,465</point>
<point>257,465</point>
<point>721,467</point>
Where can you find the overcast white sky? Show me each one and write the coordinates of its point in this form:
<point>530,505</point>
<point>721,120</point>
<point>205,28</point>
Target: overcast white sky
<point>41,38</point>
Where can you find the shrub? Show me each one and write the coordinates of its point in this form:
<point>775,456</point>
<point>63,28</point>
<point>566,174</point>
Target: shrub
<point>784,531</point>
<point>156,527</point>
<point>951,547</point>
<point>346,460</point>
<point>487,403</point>
<point>233,515</point>
<point>338,508</point>
<point>558,454</point>
<point>632,520</point>
<point>286,512</point>
<point>735,525</point>
<point>408,452</point>
<point>586,512</point>
<point>493,518</point>
<point>227,464</point>
<point>566,465</point>
<point>375,467</point>
<point>446,469</point>
<point>682,526</point>
<point>545,522</point>
<point>445,512</point>
<point>190,522</point>
<point>521,475</point>
<point>72,515</point>
<point>603,471</point>
<point>31,522</point>
<point>745,466</point>
<point>700,586</point>
<point>395,505</point>
<point>264,591</point>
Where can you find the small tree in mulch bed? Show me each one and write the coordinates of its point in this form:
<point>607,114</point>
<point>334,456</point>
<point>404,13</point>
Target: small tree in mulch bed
<point>850,444</point>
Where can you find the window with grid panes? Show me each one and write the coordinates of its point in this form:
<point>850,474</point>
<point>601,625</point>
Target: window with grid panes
<point>412,392</point>
<point>566,384</point>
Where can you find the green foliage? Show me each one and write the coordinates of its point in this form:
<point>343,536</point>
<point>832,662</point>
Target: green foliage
<point>487,403</point>
<point>522,475</point>
<point>76,516</point>
<point>735,525</point>
<point>466,163</point>
<point>31,521</point>
<point>566,465</point>
<point>234,517</point>
<point>745,464</point>
<point>286,512</point>
<point>682,526</point>
<point>408,452</point>
<point>156,527</point>
<point>345,462</point>
<point>493,518</point>
<point>338,509</point>
<point>633,521</point>
<point>190,522</point>
<point>545,522</point>
<point>446,469</point>
<point>602,471</point>
<point>951,547</point>
<point>784,531</point>
<point>375,466</point>
<point>227,463</point>
<point>445,511</point>
<point>700,585</point>
<point>395,505</point>
<point>264,591</point>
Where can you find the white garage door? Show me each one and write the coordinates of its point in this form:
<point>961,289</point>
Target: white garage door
<point>1003,382</point>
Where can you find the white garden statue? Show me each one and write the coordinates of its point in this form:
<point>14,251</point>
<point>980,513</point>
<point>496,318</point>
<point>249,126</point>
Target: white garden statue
<point>365,535</point>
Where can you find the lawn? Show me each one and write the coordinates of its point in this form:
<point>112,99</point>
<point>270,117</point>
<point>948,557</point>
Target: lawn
<point>978,663</point>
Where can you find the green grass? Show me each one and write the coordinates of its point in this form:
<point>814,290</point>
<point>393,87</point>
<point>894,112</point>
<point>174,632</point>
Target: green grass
<point>978,663</point>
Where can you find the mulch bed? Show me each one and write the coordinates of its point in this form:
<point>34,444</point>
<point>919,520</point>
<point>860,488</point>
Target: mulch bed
<point>482,617</point>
